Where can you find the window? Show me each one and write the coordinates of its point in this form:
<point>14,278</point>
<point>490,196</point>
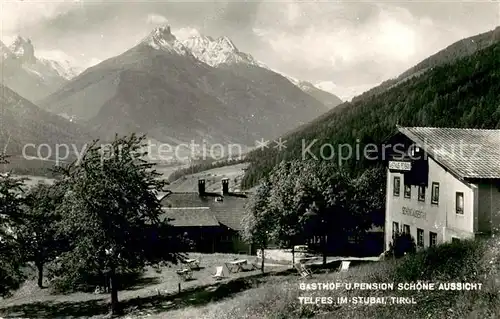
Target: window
<point>420,237</point>
<point>397,185</point>
<point>432,239</point>
<point>435,193</point>
<point>406,229</point>
<point>421,193</point>
<point>459,202</point>
<point>407,191</point>
<point>395,229</point>
<point>414,150</point>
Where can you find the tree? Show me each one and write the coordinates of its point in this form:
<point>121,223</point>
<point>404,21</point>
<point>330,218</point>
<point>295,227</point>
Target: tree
<point>330,211</point>
<point>305,195</point>
<point>363,206</point>
<point>288,197</point>
<point>318,198</point>
<point>368,198</point>
<point>11,190</point>
<point>258,220</point>
<point>112,212</point>
<point>38,236</point>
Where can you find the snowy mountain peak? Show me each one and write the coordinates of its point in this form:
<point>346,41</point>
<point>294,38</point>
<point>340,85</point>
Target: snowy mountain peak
<point>37,75</point>
<point>163,33</point>
<point>161,38</point>
<point>227,43</point>
<point>216,52</point>
<point>198,42</point>
<point>23,49</point>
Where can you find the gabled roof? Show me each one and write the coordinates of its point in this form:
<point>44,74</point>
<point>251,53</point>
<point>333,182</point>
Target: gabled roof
<point>228,212</point>
<point>189,217</point>
<point>468,153</point>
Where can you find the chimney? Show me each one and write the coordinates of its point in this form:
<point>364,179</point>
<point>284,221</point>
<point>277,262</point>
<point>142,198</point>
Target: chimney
<point>225,186</point>
<point>201,186</point>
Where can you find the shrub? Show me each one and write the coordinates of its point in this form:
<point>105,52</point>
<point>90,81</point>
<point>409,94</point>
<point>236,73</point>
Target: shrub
<point>84,281</point>
<point>449,261</point>
<point>402,244</point>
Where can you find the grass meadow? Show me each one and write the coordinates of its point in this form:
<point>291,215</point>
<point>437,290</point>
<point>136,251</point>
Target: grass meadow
<point>468,261</point>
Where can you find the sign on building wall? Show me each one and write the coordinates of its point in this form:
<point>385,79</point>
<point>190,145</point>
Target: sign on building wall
<point>413,212</point>
<point>399,166</point>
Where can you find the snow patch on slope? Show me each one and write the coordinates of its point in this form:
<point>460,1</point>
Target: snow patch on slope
<point>62,63</point>
<point>303,85</point>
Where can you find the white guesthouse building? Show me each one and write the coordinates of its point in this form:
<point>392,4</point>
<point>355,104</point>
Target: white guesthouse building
<point>442,184</point>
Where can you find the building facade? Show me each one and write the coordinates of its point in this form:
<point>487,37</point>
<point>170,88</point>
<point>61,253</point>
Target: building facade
<point>211,221</point>
<point>442,184</point>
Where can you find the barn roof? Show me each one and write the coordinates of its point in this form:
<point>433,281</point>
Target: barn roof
<point>189,217</point>
<point>228,210</point>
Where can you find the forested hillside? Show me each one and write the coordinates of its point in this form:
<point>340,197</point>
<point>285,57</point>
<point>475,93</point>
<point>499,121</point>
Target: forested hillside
<point>450,54</point>
<point>464,93</point>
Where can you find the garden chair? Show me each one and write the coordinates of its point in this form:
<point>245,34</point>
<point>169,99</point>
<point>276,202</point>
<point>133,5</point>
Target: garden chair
<point>219,273</point>
<point>303,271</point>
<point>344,266</point>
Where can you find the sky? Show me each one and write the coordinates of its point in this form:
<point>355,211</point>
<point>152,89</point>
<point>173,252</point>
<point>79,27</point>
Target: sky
<point>344,46</point>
